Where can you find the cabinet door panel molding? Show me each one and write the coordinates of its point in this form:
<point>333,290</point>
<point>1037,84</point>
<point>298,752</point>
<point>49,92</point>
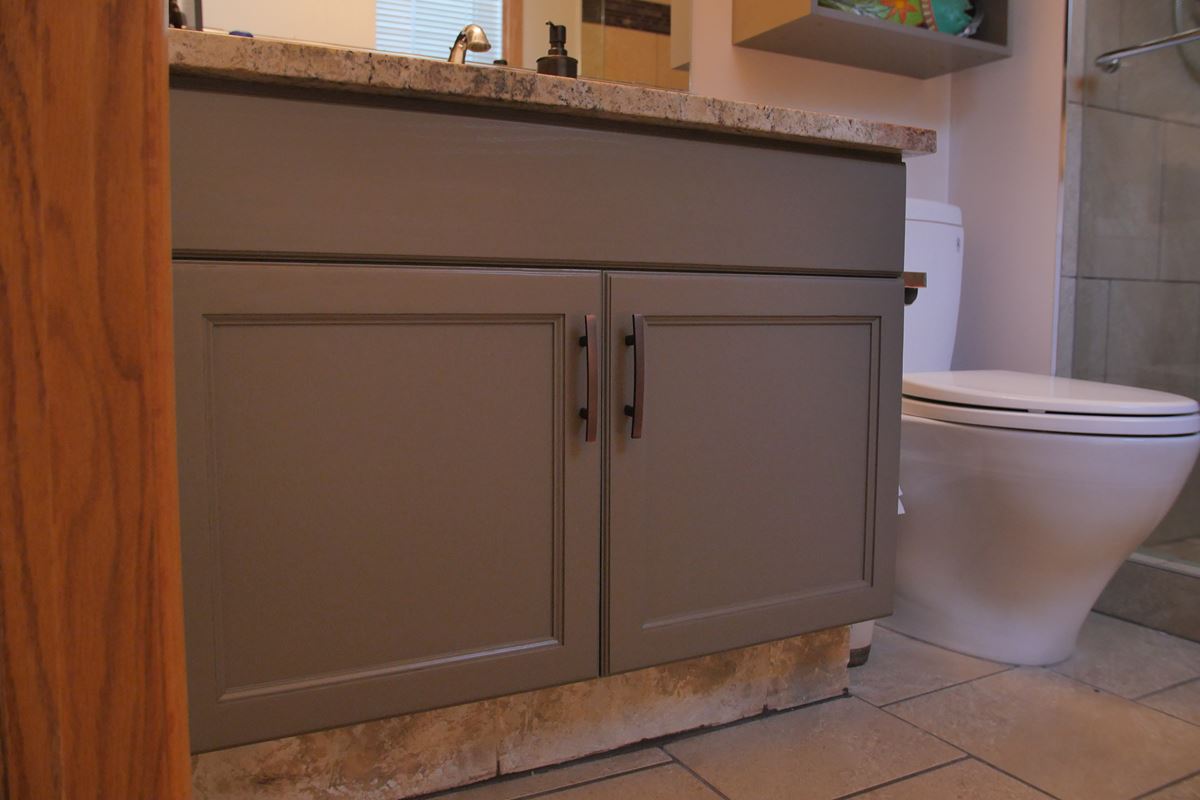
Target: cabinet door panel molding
<point>384,510</point>
<point>391,501</point>
<point>756,504</point>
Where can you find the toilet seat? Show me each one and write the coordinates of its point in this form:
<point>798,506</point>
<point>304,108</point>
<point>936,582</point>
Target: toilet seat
<point>1024,401</point>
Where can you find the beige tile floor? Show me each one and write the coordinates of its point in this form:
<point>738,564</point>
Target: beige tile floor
<point>1118,720</point>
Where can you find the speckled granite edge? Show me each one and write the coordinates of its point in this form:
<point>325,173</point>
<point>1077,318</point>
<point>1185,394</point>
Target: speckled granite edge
<point>274,61</point>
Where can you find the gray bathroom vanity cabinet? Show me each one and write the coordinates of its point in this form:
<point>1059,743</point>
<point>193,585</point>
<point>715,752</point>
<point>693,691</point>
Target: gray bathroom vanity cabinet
<point>474,401</point>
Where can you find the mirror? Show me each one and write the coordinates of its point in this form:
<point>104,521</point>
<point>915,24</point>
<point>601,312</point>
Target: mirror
<point>645,42</point>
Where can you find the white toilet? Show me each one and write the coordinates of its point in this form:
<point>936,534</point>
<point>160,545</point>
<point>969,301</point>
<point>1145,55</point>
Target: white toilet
<point>1023,493</point>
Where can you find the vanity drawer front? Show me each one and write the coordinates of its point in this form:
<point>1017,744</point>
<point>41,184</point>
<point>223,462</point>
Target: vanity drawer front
<point>759,501</point>
<point>254,174</point>
<point>388,503</point>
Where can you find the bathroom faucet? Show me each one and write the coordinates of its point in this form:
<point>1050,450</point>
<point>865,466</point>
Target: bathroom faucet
<point>470,38</point>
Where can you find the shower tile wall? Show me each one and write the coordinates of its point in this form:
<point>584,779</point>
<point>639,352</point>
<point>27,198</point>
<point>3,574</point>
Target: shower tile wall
<point>1130,294</point>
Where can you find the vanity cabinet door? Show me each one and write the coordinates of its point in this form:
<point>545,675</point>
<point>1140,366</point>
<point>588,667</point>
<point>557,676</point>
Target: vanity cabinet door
<point>759,500</point>
<point>388,502</point>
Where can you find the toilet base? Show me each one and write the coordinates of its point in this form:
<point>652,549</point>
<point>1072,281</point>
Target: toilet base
<point>1020,644</point>
<point>1010,536</point>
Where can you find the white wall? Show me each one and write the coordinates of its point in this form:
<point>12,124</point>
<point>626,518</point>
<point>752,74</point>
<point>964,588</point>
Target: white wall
<point>345,22</point>
<point>1005,156</point>
<point>736,73</point>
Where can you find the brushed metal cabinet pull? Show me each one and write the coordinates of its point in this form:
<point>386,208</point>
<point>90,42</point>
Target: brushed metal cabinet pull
<point>638,342</point>
<point>591,340</point>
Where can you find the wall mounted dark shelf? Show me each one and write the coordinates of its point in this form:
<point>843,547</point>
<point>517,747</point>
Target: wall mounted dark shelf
<point>804,28</point>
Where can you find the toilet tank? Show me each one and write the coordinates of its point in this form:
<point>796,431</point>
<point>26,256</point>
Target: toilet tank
<point>933,244</point>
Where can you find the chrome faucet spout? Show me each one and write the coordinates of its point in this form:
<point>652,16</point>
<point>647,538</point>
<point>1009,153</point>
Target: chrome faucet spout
<point>470,38</point>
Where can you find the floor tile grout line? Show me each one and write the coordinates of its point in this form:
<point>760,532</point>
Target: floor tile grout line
<point>499,779</point>
<point>919,729</point>
<point>539,792</point>
<point>975,756</point>
<point>844,696</point>
<point>657,743</point>
<point>1193,679</point>
<point>1135,700</point>
<point>895,632</point>
<point>697,776</point>
<point>1169,714</point>
<point>1091,686</point>
<point>1052,671</point>
<point>597,779</point>
<point>1005,668</point>
<point>1175,782</point>
<point>670,758</point>
<point>910,776</point>
<point>662,742</point>
<point>1182,640</point>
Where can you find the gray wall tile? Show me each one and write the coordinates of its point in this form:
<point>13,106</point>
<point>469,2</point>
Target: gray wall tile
<point>1072,162</point>
<point>1076,49</point>
<point>1155,598</point>
<point>1121,182</point>
<point>1065,347</point>
<point>1102,33</point>
<point>1183,520</point>
<point>1156,84</point>
<point>1136,174</point>
<point>1154,336</point>
<point>1180,258</point>
<point>1091,329</point>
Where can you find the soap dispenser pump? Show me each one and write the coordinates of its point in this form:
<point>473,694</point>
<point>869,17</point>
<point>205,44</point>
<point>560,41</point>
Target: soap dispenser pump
<point>557,62</point>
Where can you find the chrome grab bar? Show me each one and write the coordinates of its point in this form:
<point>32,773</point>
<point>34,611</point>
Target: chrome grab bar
<point>1111,61</point>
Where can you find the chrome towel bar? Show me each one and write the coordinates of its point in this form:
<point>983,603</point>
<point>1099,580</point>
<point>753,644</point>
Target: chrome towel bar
<point>1111,61</point>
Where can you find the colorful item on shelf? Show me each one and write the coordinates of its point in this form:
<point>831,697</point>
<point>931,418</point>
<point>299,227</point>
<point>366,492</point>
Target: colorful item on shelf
<point>904,12</point>
<point>947,16</point>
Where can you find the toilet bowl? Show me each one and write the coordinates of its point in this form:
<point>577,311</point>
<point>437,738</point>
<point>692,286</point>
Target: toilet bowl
<point>1023,493</point>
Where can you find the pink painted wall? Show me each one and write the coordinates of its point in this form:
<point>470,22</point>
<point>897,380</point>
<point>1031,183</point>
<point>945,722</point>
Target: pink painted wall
<point>721,70</point>
<point>1006,145</point>
<point>999,142</point>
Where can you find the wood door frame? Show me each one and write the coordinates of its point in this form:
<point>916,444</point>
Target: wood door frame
<point>514,21</point>
<point>92,689</point>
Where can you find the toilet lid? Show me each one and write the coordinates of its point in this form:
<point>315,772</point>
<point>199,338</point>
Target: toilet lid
<point>1023,391</point>
<point>1002,399</point>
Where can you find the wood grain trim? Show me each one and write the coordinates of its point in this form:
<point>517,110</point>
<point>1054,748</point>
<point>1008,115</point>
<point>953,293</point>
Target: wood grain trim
<point>514,16</point>
<point>92,693</point>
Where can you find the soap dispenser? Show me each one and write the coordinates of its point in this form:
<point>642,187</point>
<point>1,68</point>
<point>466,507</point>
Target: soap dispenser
<point>557,62</point>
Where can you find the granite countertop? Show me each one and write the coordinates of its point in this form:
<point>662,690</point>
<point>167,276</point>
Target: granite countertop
<point>281,62</point>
